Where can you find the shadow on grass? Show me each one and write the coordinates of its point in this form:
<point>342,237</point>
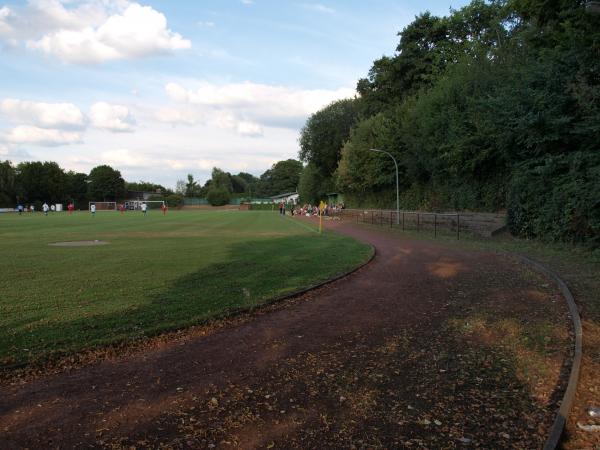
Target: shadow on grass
<point>256,272</point>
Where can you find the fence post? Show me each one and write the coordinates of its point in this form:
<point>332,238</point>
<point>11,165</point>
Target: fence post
<point>457,226</point>
<point>434,225</point>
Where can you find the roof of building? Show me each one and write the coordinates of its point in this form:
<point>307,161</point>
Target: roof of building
<point>287,194</point>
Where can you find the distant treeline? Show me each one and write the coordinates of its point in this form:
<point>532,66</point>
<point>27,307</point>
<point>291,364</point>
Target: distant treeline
<point>496,106</point>
<point>33,183</point>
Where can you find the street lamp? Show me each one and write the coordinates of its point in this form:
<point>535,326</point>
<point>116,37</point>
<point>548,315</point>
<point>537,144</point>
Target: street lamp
<point>397,185</point>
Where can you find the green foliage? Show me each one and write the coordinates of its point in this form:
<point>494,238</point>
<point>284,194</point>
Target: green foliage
<point>105,184</point>
<point>218,196</point>
<point>324,134</point>
<point>191,187</point>
<point>556,198</point>
<point>313,186</point>
<point>282,177</point>
<point>7,184</point>
<point>469,105</point>
<point>174,200</point>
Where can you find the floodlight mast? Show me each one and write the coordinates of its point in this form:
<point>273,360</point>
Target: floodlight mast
<point>397,184</point>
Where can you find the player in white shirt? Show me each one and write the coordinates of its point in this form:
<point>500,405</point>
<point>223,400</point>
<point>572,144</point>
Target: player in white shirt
<point>144,208</point>
<point>45,207</point>
<point>93,209</point>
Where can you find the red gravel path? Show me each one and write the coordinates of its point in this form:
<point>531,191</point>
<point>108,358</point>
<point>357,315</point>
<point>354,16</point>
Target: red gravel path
<point>369,361</point>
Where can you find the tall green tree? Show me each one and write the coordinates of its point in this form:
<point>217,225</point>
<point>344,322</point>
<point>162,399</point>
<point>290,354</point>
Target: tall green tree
<point>77,188</point>
<point>283,176</point>
<point>105,184</point>
<point>7,184</point>
<point>41,182</point>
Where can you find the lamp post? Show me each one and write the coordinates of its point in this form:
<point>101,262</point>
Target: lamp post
<point>397,185</point>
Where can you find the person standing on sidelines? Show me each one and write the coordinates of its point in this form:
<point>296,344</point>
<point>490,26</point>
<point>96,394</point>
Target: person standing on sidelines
<point>144,208</point>
<point>93,209</point>
<point>45,208</point>
<point>20,208</point>
<point>31,208</point>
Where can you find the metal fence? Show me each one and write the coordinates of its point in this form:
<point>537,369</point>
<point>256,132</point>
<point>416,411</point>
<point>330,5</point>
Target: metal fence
<point>406,220</point>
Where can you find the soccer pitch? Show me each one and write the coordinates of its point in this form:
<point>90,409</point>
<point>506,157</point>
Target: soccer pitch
<point>157,273</point>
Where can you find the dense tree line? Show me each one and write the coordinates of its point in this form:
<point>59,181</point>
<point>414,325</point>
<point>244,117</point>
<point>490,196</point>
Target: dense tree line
<point>495,106</point>
<point>38,182</point>
<point>283,176</point>
<point>33,183</point>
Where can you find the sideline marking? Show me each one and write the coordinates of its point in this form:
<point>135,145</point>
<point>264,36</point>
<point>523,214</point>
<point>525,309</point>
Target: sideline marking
<point>302,225</point>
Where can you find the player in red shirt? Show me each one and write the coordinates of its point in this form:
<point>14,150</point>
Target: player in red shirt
<point>164,208</point>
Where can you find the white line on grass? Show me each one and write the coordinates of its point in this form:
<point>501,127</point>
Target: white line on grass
<point>302,225</point>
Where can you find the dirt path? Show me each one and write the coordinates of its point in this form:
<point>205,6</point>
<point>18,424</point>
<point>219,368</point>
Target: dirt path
<point>423,347</point>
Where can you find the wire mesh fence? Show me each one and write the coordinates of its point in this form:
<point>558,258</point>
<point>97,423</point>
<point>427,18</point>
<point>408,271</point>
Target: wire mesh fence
<point>455,223</point>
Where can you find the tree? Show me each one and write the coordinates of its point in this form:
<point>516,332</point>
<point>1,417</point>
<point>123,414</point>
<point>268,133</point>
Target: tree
<point>7,184</point>
<point>218,196</point>
<point>180,187</point>
<point>323,136</point>
<point>146,186</point>
<point>283,176</point>
<point>76,188</point>
<point>41,182</point>
<point>221,179</point>
<point>191,186</point>
<point>106,184</point>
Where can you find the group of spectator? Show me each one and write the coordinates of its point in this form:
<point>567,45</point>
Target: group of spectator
<point>313,210</point>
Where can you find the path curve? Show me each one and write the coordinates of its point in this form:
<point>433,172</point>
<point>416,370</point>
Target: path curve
<point>361,361</point>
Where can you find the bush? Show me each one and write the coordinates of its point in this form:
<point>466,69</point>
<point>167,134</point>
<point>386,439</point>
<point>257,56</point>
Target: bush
<point>174,200</point>
<point>556,198</point>
<point>218,196</point>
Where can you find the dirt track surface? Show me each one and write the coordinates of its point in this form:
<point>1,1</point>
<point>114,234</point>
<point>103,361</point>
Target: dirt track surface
<point>410,351</point>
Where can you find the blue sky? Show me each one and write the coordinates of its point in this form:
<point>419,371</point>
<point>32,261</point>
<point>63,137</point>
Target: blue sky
<point>159,89</point>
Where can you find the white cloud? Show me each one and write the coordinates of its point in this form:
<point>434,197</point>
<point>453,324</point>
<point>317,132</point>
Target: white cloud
<point>318,7</point>
<point>249,105</point>
<point>25,134</point>
<point>45,115</point>
<point>126,158</point>
<point>182,115</point>
<point>5,28</point>
<point>100,31</point>
<point>111,117</point>
<point>248,2</point>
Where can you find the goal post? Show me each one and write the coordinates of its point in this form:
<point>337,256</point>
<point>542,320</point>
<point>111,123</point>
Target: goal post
<point>104,206</point>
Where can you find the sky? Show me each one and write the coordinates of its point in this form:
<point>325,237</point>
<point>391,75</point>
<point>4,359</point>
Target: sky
<point>160,89</point>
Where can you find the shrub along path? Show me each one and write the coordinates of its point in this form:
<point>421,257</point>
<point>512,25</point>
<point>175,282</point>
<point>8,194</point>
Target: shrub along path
<point>428,345</point>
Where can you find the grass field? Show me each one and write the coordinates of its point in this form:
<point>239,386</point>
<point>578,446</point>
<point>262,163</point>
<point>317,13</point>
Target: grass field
<point>158,273</point>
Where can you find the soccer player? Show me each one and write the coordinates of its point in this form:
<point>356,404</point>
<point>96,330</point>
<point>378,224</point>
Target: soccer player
<point>93,209</point>
<point>45,208</point>
<point>122,208</point>
<point>164,208</point>
<point>70,208</point>
<point>144,208</point>
<point>20,208</point>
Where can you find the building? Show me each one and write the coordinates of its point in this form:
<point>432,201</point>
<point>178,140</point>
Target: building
<point>288,197</point>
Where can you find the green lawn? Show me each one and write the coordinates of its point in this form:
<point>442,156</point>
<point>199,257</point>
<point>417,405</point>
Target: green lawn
<point>158,273</point>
